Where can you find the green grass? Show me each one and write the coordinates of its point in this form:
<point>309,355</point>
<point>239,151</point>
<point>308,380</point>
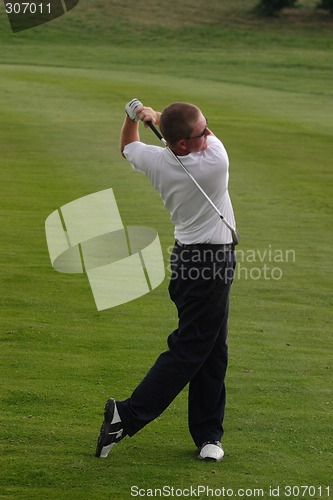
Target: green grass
<point>266,88</point>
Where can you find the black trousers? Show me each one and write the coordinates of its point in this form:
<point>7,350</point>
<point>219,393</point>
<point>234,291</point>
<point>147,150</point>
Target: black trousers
<point>197,350</point>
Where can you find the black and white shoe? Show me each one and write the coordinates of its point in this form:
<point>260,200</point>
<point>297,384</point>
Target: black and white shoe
<point>211,451</point>
<point>112,430</point>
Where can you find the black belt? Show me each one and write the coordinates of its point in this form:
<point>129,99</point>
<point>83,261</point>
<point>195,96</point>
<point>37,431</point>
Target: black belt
<point>207,246</point>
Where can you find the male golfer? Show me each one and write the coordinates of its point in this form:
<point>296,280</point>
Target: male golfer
<point>202,266</point>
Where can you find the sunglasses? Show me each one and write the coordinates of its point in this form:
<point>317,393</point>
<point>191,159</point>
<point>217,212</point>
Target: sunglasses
<point>200,136</point>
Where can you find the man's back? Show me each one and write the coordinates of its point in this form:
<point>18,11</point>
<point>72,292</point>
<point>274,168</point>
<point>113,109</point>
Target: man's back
<point>194,219</point>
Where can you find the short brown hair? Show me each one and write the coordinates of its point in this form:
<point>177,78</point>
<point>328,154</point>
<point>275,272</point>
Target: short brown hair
<point>177,121</point>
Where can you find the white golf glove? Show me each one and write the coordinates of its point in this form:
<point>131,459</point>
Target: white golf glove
<point>131,108</point>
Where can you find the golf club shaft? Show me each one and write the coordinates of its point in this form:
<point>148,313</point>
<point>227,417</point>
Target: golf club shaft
<point>234,232</point>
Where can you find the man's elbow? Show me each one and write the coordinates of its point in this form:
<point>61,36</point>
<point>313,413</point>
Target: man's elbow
<point>122,146</point>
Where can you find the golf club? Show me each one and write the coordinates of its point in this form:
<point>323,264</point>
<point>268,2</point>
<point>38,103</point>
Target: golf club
<point>234,232</point>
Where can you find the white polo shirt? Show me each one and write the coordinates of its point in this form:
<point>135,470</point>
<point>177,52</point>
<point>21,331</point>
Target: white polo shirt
<point>194,218</point>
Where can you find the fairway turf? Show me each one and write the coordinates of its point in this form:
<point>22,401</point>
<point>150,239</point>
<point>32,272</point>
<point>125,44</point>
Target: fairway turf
<point>266,89</point>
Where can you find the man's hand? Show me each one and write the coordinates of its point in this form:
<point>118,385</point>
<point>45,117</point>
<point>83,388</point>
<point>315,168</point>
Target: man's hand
<point>133,109</point>
<point>149,115</point>
<point>137,111</point>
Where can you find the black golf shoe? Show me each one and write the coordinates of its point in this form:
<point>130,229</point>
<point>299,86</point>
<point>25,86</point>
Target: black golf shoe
<point>111,432</point>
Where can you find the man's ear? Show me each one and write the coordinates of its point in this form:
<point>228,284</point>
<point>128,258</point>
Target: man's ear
<point>181,145</point>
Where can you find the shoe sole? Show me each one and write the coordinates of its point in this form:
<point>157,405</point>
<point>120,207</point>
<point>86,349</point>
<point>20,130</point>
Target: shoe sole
<point>210,459</point>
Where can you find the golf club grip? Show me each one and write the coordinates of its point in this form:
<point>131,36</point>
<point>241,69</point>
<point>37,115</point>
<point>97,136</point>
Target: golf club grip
<point>156,132</point>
